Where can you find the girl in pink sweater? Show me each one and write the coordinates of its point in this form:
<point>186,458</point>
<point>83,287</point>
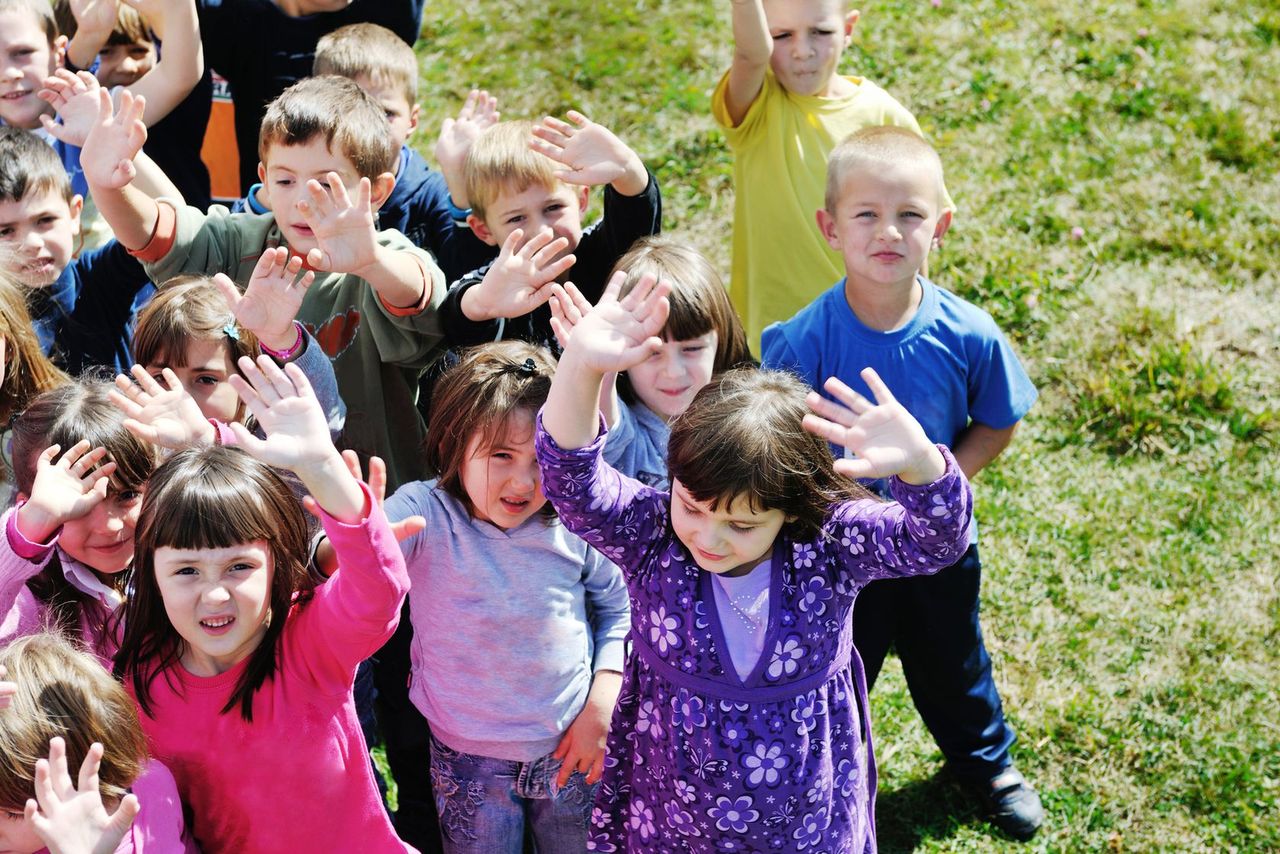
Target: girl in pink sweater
<point>243,673</point>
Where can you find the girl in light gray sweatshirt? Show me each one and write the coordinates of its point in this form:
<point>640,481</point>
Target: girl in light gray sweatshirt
<point>518,625</point>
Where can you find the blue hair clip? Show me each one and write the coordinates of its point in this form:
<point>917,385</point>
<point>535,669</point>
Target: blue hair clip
<point>231,331</point>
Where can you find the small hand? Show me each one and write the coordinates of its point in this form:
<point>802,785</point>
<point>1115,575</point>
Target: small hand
<point>72,819</point>
<point>75,98</point>
<point>582,746</point>
<point>97,16</point>
<point>272,298</point>
<point>457,135</point>
<point>616,334</point>
<point>516,281</point>
<point>591,153</point>
<point>343,228</point>
<point>405,529</point>
<point>7,689</point>
<point>568,308</point>
<point>114,140</point>
<point>166,415</point>
<point>287,410</point>
<point>64,490</point>
<point>884,437</point>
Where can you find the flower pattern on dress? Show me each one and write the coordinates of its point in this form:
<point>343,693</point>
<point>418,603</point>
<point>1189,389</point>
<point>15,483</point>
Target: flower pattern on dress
<point>757,768</point>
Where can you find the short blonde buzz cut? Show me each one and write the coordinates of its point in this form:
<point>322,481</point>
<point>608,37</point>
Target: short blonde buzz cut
<point>501,160</point>
<point>884,144</point>
<point>368,50</point>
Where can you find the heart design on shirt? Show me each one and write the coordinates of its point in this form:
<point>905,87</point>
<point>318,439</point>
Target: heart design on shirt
<point>336,334</point>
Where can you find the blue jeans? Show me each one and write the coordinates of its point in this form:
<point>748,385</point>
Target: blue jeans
<point>484,804</point>
<point>932,621</point>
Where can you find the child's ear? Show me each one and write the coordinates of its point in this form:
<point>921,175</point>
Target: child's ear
<point>481,230</point>
<point>850,21</point>
<point>265,192</point>
<point>827,225</point>
<point>584,194</point>
<point>76,206</point>
<point>944,223</point>
<point>58,55</point>
<point>413,117</point>
<point>381,188</point>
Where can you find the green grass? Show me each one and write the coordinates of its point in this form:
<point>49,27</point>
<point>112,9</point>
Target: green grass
<point>1130,533</point>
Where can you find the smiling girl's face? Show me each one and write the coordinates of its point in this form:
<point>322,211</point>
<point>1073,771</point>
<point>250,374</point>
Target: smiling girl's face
<point>728,540</point>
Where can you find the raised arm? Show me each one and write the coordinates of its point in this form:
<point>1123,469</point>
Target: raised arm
<point>752,47</point>
<point>614,335</point>
<point>181,62</point>
<point>95,19</point>
<point>107,160</point>
<point>591,154</point>
<point>479,112</point>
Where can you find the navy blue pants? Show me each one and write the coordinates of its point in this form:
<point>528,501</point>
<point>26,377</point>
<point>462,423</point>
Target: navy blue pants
<point>932,622</point>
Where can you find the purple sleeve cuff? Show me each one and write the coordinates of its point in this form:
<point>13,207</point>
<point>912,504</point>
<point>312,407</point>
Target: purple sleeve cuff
<point>21,546</point>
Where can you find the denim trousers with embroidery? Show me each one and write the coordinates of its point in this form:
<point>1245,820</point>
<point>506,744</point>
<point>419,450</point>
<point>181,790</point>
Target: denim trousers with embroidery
<point>485,804</point>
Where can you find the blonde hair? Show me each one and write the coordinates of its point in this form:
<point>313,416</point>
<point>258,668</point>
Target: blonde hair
<point>501,160</point>
<point>27,370</point>
<point>63,691</point>
<point>368,50</point>
<point>881,145</point>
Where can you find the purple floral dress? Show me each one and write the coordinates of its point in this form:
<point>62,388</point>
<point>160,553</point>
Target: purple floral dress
<point>698,759</point>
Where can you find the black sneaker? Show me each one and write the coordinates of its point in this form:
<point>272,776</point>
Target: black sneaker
<point>1013,805</point>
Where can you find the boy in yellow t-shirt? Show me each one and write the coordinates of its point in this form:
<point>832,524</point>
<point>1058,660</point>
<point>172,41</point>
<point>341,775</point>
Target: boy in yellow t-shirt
<point>783,107</point>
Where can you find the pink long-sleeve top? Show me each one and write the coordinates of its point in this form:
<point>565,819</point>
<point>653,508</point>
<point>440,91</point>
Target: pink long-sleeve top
<point>22,560</point>
<point>297,778</point>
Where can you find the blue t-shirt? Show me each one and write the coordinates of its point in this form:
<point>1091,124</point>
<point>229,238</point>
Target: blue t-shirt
<point>948,364</point>
<point>637,445</point>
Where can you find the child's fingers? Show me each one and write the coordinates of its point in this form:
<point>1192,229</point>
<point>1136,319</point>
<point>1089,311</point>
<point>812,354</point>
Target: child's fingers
<point>408,528</point>
<point>306,279</point>
<point>364,195</point>
<point>578,119</point>
<point>536,243</point>
<point>59,778</point>
<point>251,444</point>
<point>877,386</point>
<point>580,303</point>
<point>264,389</point>
<point>553,270</point>
<point>830,410</point>
<point>301,386</point>
<point>316,258</point>
<point>819,426</point>
<point>341,198</point>
<point>550,250</point>
<point>377,478</point>
<point>614,286</point>
<point>248,394</point>
<point>856,468</point>
<point>7,692</point>
<point>850,398</point>
<point>511,244</point>
<point>596,770</point>
<point>120,400</point>
<point>145,432</point>
<point>637,295</point>
<point>320,199</point>
<point>147,384</point>
<point>88,778</point>
<point>125,813</point>
<point>352,461</point>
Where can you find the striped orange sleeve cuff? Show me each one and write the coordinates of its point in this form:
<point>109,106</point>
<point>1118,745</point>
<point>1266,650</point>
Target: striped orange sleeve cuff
<point>162,237</point>
<point>419,306</point>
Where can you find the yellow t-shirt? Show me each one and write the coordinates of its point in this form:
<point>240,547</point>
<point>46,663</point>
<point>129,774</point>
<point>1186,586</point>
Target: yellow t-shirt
<point>781,262</point>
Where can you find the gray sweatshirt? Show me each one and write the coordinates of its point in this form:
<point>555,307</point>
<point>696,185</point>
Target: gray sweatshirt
<point>508,626</point>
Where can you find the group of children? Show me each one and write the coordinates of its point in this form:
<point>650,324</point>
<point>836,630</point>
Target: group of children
<point>621,596</point>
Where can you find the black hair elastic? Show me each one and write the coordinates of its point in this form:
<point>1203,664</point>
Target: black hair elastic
<point>527,369</point>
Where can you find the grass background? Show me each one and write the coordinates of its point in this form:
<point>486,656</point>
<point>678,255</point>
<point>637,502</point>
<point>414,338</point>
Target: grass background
<point>1115,170</point>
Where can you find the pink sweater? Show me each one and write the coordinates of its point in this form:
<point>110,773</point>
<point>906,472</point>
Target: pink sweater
<point>158,828</point>
<point>297,778</point>
<point>24,614</point>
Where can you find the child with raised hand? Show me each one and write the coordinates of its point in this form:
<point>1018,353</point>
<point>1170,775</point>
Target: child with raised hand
<point>528,186</point>
<point>518,625</point>
<point>701,339</point>
<point>188,343</point>
<point>59,702</point>
<point>426,206</point>
<point>80,476</point>
<point>740,726</point>
<point>783,105</point>
<point>222,636</point>
<point>372,304</point>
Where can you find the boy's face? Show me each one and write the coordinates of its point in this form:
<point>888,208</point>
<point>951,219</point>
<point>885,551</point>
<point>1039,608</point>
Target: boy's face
<point>284,183</point>
<point>808,38</point>
<point>402,115</point>
<point>535,209</point>
<point>885,221</point>
<point>39,233</point>
<point>26,59</point>
<point>124,64</point>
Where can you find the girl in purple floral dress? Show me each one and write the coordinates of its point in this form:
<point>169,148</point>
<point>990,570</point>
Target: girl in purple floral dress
<point>738,727</point>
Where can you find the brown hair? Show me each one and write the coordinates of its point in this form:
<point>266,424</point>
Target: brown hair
<point>501,159</point>
<point>130,27</point>
<point>476,397</point>
<point>884,144</point>
<point>64,416</point>
<point>698,299</point>
<point>185,309</point>
<point>27,370</point>
<point>368,50</point>
<point>28,164</point>
<point>742,436</point>
<point>63,691</point>
<point>336,110</point>
<point>209,498</point>
<point>41,9</point>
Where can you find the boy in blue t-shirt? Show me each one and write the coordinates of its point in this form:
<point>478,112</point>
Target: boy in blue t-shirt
<point>952,368</point>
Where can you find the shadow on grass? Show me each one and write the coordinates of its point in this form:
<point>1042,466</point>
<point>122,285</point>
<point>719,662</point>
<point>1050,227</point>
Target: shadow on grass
<point>930,809</point>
